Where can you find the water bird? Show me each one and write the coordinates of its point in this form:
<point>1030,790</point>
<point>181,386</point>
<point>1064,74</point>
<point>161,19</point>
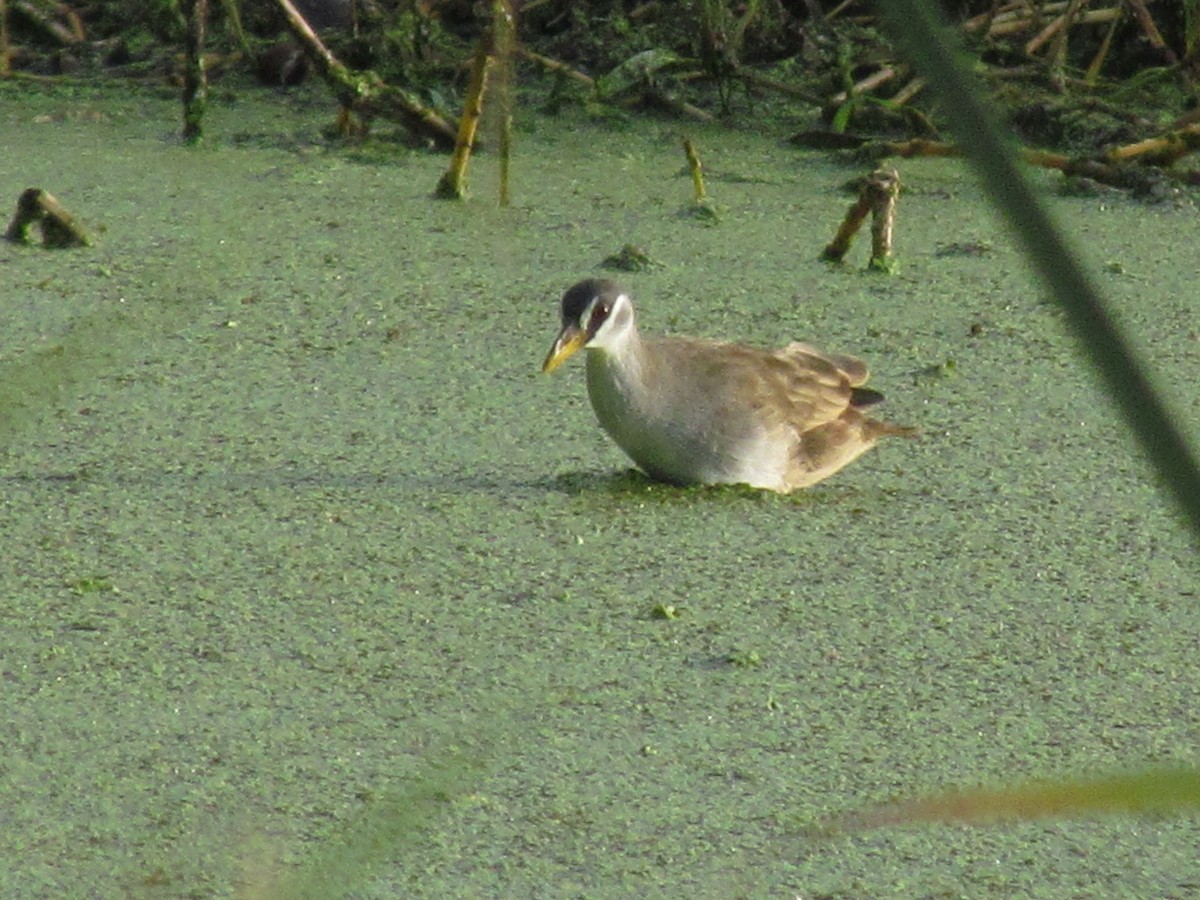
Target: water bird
<point>694,411</point>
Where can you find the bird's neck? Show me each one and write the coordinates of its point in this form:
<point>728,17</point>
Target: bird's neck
<point>621,380</point>
<point>623,358</point>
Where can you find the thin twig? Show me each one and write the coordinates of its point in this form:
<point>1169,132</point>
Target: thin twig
<point>558,68</point>
<point>363,92</point>
<point>884,75</point>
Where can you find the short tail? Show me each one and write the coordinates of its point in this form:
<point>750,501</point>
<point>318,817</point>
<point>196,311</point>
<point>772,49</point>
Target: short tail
<point>861,397</point>
<point>878,429</point>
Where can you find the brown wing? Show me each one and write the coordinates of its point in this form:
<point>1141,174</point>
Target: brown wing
<point>853,367</point>
<point>796,387</point>
<point>812,387</point>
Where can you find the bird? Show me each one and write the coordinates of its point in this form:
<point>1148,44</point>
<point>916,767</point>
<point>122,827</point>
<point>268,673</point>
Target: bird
<point>696,411</point>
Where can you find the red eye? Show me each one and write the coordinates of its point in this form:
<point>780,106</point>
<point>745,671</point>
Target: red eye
<point>599,314</point>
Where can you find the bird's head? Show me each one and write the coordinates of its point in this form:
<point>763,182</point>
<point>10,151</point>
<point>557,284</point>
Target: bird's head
<point>596,313</point>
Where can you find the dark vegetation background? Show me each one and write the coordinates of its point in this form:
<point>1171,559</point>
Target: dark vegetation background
<point>1083,76</point>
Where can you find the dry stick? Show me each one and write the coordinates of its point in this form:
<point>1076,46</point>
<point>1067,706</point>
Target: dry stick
<point>453,184</point>
<point>918,147</point>
<point>1025,20</point>
<point>1093,71</point>
<point>59,228</point>
<point>1163,150</point>
<point>1098,170</point>
<point>1105,172</point>
<point>852,221</point>
<point>996,13</point>
<point>987,19</point>
<point>42,15</point>
<point>558,68</point>
<point>1034,44</point>
<point>1021,14</point>
<point>1058,32</point>
<point>909,91</point>
<point>1025,23</point>
<point>1004,23</point>
<point>783,87</point>
<point>838,10</point>
<point>326,62</point>
<point>1058,49</point>
<point>195,86</point>
<point>363,93</point>
<point>1011,26</point>
<point>887,73</point>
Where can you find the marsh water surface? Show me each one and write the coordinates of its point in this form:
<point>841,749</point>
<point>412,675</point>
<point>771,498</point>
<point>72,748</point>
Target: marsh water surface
<point>300,546</point>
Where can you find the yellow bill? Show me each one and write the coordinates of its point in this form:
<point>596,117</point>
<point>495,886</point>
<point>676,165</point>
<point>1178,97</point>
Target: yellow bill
<point>569,340</point>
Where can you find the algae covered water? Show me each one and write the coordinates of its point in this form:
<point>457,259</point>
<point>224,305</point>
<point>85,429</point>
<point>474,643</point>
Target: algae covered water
<point>308,564</point>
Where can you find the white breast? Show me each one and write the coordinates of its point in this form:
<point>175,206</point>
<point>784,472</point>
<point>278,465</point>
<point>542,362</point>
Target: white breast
<point>673,434</point>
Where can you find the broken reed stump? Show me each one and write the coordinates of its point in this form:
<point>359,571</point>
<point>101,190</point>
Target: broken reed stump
<point>877,197</point>
<point>195,84</point>
<point>701,207</point>
<point>59,228</point>
<point>504,40</point>
<point>5,54</point>
<point>453,184</point>
<point>884,185</point>
<point>693,160</point>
